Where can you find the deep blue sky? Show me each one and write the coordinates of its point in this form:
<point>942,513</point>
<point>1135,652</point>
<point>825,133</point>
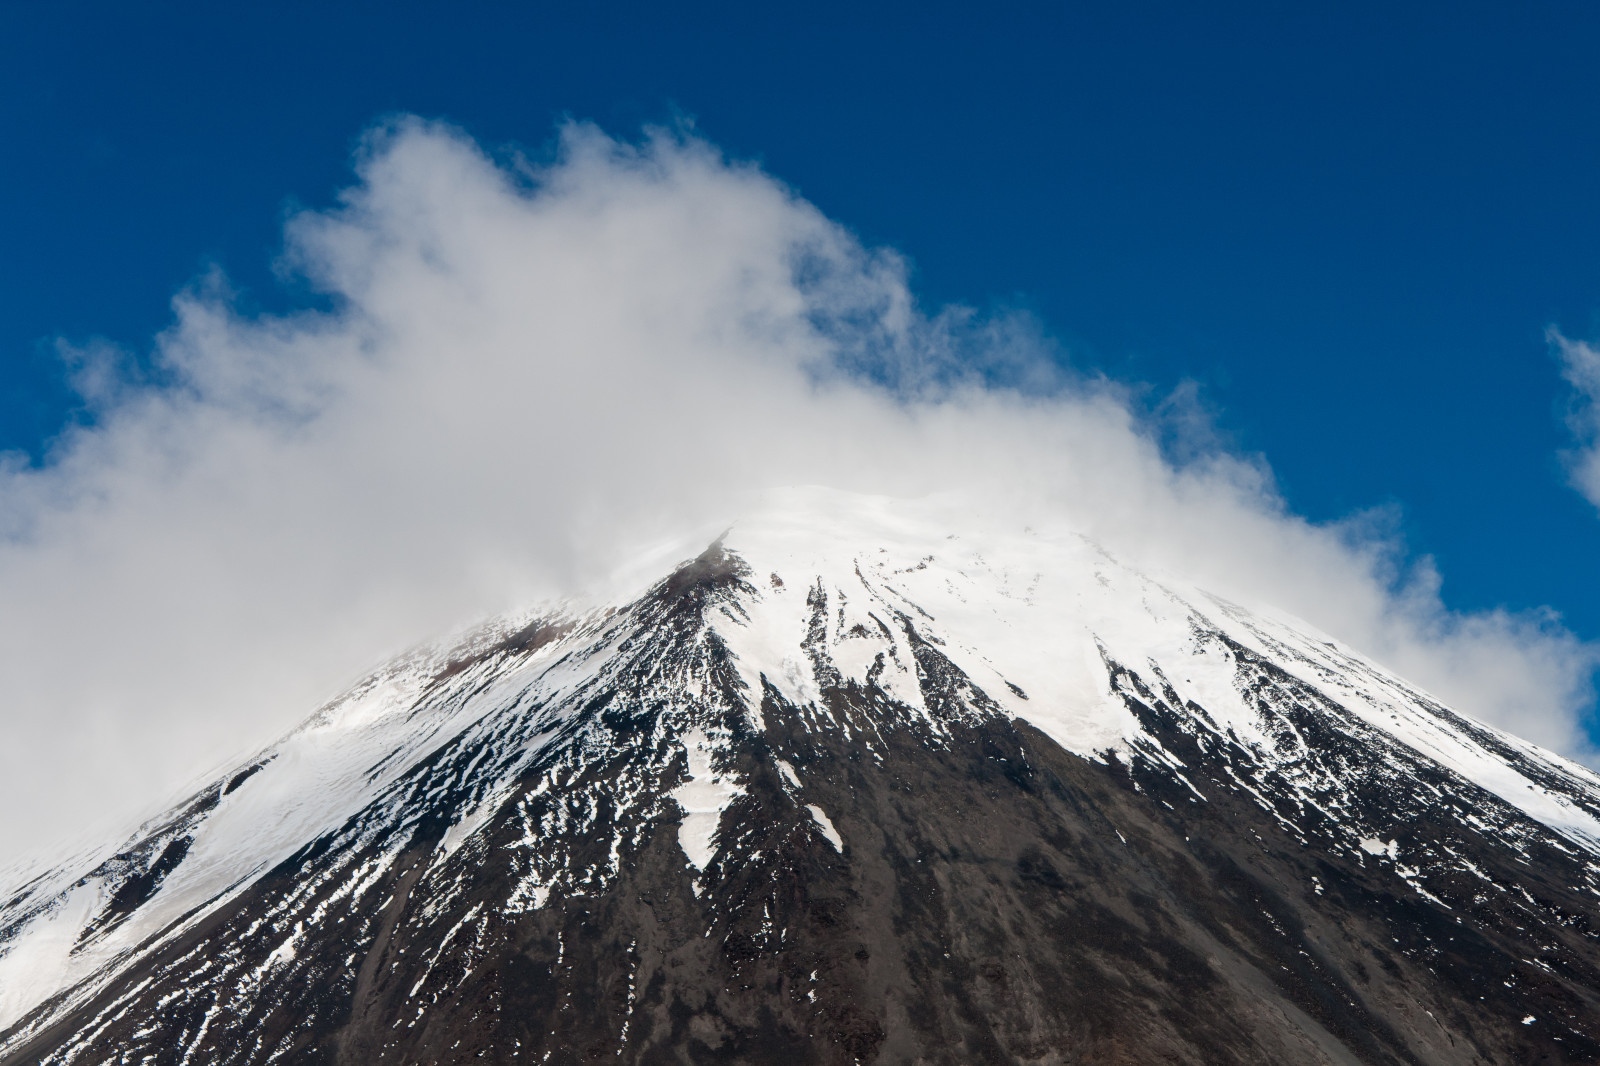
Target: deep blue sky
<point>1350,223</point>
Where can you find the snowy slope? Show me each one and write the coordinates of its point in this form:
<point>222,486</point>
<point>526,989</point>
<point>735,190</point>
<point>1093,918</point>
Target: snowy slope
<point>816,593</point>
<point>1043,612</point>
<point>65,926</point>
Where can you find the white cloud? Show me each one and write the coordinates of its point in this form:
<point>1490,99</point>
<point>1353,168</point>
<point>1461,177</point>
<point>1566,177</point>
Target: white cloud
<point>1580,365</point>
<point>526,371</point>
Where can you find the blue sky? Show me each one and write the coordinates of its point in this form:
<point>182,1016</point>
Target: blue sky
<point>1352,226</point>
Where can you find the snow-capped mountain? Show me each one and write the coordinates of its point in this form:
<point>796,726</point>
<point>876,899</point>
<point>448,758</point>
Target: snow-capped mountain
<point>866,781</point>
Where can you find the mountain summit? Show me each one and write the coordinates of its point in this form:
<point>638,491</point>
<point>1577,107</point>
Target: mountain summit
<point>861,783</point>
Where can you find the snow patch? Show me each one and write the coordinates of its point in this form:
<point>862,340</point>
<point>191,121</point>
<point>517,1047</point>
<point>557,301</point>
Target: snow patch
<point>826,827</point>
<point>37,962</point>
<point>704,795</point>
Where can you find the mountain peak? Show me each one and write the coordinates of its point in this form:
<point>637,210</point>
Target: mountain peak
<point>865,780</point>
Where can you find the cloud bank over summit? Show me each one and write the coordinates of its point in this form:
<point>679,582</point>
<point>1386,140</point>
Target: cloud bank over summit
<point>527,375</point>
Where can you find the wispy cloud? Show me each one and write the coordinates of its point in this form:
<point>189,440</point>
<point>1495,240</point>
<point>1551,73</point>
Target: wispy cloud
<point>1580,365</point>
<point>529,371</point>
